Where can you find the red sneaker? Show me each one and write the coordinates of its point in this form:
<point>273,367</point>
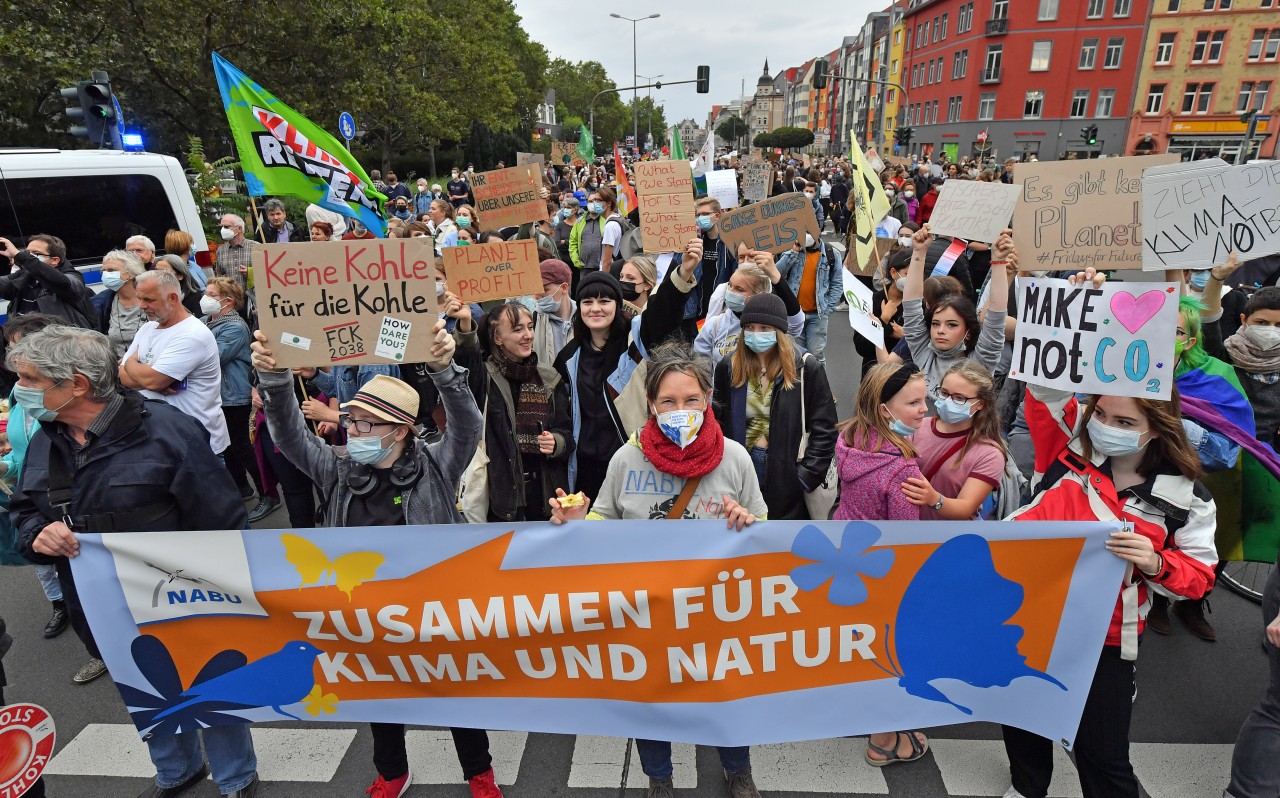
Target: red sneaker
<point>390,789</point>
<point>483,786</point>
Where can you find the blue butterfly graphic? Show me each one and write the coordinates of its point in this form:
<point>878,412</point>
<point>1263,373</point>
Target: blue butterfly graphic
<point>953,624</point>
<point>844,566</point>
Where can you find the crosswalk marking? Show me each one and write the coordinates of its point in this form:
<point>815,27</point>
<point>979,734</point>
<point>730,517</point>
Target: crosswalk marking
<point>597,762</point>
<point>434,760</point>
<point>1171,769</point>
<point>980,767</point>
<point>818,766</point>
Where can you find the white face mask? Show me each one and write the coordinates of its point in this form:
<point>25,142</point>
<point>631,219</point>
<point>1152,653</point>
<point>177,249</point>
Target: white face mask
<point>1264,337</point>
<point>228,234</point>
<point>210,306</point>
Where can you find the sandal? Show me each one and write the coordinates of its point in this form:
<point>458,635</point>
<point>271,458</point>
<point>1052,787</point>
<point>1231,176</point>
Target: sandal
<point>891,757</point>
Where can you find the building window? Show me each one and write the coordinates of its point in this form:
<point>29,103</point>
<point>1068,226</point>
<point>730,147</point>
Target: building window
<point>1208,47</point>
<point>1106,103</point>
<point>987,106</point>
<point>1000,9</point>
<point>1123,8</point>
<point>945,19</point>
<point>1048,10</point>
<point>1079,103</point>
<point>1197,97</point>
<point>1265,45</point>
<point>891,95</point>
<point>995,55</point>
<point>1164,49</point>
<point>1040,54</point>
<point>1217,5</point>
<point>960,64</point>
<point>1095,9</point>
<point>1034,105</point>
<point>1174,6</point>
<point>1089,53</point>
<point>1253,96</point>
<point>964,19</point>
<point>1155,98</point>
<point>1114,54</point>
<point>935,111</point>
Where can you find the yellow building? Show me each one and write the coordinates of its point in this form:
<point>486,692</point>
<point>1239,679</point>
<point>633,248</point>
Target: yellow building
<point>893,97</point>
<point>1206,64</point>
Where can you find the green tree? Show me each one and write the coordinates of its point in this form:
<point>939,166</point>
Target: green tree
<point>790,138</point>
<point>651,117</point>
<point>732,129</point>
<point>576,83</point>
<point>764,141</point>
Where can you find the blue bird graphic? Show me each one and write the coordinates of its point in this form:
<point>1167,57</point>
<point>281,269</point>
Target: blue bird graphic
<point>276,680</point>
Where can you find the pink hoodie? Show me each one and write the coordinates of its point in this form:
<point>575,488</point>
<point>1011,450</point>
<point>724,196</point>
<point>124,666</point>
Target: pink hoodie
<point>870,483</point>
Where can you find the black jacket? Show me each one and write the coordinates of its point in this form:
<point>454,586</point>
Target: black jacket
<point>295,232</point>
<point>783,491</point>
<point>57,290</point>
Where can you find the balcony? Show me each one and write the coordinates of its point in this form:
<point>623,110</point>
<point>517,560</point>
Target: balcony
<point>990,76</point>
<point>997,27</point>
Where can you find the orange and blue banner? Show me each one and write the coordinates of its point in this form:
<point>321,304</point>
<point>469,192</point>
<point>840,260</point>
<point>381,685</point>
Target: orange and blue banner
<point>679,630</point>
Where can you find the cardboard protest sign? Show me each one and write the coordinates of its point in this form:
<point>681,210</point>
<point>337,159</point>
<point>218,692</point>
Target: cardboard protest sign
<point>500,270</point>
<point>1194,215</point>
<point>564,153</point>
<point>898,160</point>
<point>509,197</point>
<point>1076,214</point>
<point>883,247</point>
<point>757,179</point>
<point>723,185</point>
<point>973,210</point>
<point>536,158</point>
<point>774,225</point>
<point>666,204</point>
<point>861,316</point>
<point>1116,340</point>
<point>348,302</point>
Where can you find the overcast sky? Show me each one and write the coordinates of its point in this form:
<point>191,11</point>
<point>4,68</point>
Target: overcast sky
<point>734,39</point>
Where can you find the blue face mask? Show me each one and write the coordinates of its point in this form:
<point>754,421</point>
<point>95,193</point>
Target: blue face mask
<point>548,303</point>
<point>463,221</point>
<point>529,302</point>
<point>596,207</point>
<point>1111,441</point>
<point>1199,279</point>
<point>705,222</point>
<point>735,302</point>
<point>32,401</point>
<point>368,451</point>
<point>760,342</point>
<point>112,281</point>
<point>953,412</point>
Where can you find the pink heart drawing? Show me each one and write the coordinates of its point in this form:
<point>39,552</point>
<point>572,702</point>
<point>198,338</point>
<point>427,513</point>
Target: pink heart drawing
<point>1133,312</point>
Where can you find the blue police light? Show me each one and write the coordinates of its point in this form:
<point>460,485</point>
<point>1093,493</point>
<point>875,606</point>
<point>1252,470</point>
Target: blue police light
<point>132,142</point>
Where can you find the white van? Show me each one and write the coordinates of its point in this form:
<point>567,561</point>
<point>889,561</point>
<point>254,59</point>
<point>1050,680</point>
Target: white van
<point>94,200</point>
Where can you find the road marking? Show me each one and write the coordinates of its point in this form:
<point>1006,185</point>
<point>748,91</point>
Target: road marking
<point>597,762</point>
<point>434,760</point>
<point>113,749</point>
<point>980,767</point>
<point>817,766</point>
<point>1175,770</point>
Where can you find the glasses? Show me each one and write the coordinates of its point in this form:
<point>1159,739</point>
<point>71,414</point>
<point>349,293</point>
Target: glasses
<point>362,427</point>
<point>944,394</point>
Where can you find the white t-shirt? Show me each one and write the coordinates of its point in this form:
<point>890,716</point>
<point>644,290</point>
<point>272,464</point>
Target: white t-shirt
<point>610,237</point>
<point>188,353</point>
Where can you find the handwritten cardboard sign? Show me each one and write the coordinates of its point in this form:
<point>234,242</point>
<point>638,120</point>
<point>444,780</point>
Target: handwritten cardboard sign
<point>536,158</point>
<point>500,270</point>
<point>774,225</point>
<point>509,197</point>
<point>666,205</point>
<point>898,160</point>
<point>564,153</point>
<point>1076,214</point>
<point>861,316</point>
<point>347,302</point>
<point>1116,340</point>
<point>973,210</point>
<point>1194,215</point>
<point>757,179</point>
<point>723,185</point>
<point>883,247</point>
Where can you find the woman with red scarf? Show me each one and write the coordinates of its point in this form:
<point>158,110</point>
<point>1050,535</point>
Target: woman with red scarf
<point>679,465</point>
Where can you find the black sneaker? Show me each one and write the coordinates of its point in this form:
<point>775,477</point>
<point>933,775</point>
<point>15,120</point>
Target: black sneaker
<point>247,492</point>
<point>58,621</point>
<point>155,791</point>
<point>266,506</point>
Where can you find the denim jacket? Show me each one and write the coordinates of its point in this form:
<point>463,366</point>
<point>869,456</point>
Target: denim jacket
<point>232,335</point>
<point>830,281</point>
<point>343,382</point>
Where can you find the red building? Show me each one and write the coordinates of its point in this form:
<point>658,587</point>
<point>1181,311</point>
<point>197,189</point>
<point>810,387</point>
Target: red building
<point>1029,73</point>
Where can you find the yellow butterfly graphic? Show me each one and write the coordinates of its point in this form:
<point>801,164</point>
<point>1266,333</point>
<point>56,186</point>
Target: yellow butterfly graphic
<point>349,571</point>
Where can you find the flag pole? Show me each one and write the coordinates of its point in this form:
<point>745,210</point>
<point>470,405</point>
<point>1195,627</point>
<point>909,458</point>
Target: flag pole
<point>257,220</point>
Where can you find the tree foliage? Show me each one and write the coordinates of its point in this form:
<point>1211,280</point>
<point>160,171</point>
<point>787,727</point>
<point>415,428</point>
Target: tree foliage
<point>575,84</point>
<point>787,138</point>
<point>732,128</point>
<point>652,117</point>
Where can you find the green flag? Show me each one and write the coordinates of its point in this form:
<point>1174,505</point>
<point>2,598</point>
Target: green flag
<point>587,146</point>
<point>283,152</point>
<point>677,146</point>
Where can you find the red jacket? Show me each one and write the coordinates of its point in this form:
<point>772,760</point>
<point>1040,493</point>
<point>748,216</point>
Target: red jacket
<point>927,202</point>
<point>1177,514</point>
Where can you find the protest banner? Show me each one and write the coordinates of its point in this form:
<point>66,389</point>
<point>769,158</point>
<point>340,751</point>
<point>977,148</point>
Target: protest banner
<point>535,158</point>
<point>723,185</point>
<point>757,179</point>
<point>1077,214</point>
<point>973,210</point>
<point>861,314</point>
<point>500,270</point>
<point>774,225</point>
<point>1115,340</point>
<point>620,628</point>
<point>1194,215</point>
<point>509,197</point>
<point>666,205</point>
<point>898,160</point>
<point>564,153</point>
<point>348,302</point>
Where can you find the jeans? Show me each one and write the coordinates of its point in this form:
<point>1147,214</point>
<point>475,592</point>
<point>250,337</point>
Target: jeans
<point>759,458</point>
<point>1255,763</point>
<point>1102,743</point>
<point>655,758</point>
<point>392,760</point>
<point>230,752</point>
<point>814,336</point>
<point>48,575</point>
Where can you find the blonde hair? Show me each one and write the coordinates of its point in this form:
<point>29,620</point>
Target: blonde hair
<point>647,266</point>
<point>868,419</point>
<point>780,361</point>
<point>759,279</point>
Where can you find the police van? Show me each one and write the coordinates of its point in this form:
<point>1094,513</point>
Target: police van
<point>94,200</point>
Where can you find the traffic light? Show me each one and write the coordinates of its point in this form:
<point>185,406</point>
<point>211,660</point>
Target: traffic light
<point>1089,134</point>
<point>704,79</point>
<point>91,104</point>
<point>1246,116</point>
<point>820,74</point>
<point>902,135</point>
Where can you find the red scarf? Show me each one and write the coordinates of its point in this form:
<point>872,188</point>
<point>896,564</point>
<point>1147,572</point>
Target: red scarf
<point>695,460</point>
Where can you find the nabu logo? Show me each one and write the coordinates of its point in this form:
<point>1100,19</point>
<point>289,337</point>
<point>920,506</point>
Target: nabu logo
<point>192,596</point>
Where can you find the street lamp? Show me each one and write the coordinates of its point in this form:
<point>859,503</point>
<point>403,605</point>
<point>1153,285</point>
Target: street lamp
<point>635,80</point>
<point>649,79</point>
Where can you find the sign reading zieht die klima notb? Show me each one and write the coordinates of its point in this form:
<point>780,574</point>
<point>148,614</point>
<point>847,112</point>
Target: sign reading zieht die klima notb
<point>348,302</point>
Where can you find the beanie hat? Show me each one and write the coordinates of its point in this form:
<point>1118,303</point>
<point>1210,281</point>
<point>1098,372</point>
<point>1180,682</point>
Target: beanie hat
<point>387,398</point>
<point>765,309</point>
<point>555,271</point>
<point>610,283</point>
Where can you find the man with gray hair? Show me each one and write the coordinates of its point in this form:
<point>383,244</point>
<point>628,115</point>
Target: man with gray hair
<point>174,357</point>
<point>144,248</point>
<point>90,436</point>
<point>235,255</point>
<point>278,229</point>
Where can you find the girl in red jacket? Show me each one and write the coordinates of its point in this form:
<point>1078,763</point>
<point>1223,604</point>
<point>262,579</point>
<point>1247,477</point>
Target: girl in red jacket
<point>1127,459</point>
